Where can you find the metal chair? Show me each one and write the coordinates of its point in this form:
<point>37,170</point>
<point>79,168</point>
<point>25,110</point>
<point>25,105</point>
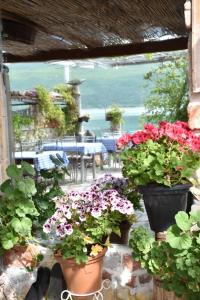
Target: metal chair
<point>74,157</point>
<point>88,139</point>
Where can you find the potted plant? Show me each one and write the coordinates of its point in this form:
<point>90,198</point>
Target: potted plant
<point>83,222</point>
<point>115,116</point>
<point>119,184</point>
<point>84,118</point>
<point>160,161</point>
<point>175,262</point>
<point>16,213</point>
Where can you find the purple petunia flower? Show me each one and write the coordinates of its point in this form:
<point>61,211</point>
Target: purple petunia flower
<point>68,229</point>
<point>47,227</point>
<point>96,212</point>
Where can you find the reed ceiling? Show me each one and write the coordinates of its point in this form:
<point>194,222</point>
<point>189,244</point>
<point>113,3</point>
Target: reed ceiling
<point>84,25</point>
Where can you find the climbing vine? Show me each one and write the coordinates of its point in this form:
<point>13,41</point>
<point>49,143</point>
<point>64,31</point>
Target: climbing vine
<point>20,123</point>
<point>70,111</point>
<point>52,113</point>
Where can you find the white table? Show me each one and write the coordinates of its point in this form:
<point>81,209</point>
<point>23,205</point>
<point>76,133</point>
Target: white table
<point>109,142</point>
<point>41,160</point>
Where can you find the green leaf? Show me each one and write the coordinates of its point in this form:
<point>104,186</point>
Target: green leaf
<point>195,216</point>
<point>14,172</point>
<point>26,225</point>
<point>177,240</point>
<point>26,167</point>
<point>182,221</point>
<point>6,186</point>
<point>16,224</point>
<point>27,186</point>
<point>7,244</point>
<point>117,231</point>
<point>20,212</point>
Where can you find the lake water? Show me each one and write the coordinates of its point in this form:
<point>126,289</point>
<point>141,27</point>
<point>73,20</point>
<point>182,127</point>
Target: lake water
<point>99,125</point>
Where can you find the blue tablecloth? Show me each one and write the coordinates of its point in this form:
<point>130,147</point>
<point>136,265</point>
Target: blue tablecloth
<point>42,160</point>
<point>81,148</point>
<point>109,143</point>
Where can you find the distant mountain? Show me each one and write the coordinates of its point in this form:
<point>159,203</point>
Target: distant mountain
<point>102,87</point>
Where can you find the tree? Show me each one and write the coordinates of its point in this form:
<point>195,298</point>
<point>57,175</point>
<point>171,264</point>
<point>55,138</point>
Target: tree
<point>168,99</point>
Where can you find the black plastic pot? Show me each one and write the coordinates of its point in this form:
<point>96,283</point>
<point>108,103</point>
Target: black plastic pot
<point>190,202</point>
<point>83,119</point>
<point>123,239</point>
<point>109,118</point>
<point>163,203</point>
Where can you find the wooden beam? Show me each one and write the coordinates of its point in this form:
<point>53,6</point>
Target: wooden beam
<point>110,51</point>
<point>4,131</point>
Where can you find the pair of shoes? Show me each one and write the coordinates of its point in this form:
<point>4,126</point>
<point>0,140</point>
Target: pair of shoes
<point>39,288</point>
<point>57,283</point>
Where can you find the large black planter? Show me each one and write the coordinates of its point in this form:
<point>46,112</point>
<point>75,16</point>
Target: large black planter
<point>163,203</point>
<point>123,239</point>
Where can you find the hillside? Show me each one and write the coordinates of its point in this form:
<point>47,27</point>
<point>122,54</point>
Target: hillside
<point>102,87</point>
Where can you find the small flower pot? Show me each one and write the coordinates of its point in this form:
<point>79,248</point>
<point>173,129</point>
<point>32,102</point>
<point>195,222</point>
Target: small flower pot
<point>162,203</point>
<point>84,278</point>
<point>21,256</point>
<point>83,119</point>
<point>123,239</point>
<point>109,117</point>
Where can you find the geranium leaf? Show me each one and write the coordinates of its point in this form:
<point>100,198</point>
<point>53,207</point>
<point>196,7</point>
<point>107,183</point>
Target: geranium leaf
<point>183,221</point>
<point>176,240</point>
<point>14,172</point>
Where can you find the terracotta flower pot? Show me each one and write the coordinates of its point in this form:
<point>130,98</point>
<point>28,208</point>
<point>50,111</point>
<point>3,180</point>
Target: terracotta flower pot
<point>123,239</point>
<point>83,278</point>
<point>21,256</point>
<point>161,294</point>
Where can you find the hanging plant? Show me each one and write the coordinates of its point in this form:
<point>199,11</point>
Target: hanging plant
<point>84,118</point>
<point>115,116</point>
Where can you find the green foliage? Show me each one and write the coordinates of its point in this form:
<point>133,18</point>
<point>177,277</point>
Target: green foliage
<point>47,189</point>
<point>70,111</point>
<point>156,162</point>
<point>17,208</point>
<point>74,246</point>
<point>51,112</point>
<point>19,123</point>
<point>168,98</point>
<point>115,115</point>
<point>177,260</point>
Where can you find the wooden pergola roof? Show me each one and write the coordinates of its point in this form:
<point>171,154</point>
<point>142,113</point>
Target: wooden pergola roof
<point>41,30</point>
